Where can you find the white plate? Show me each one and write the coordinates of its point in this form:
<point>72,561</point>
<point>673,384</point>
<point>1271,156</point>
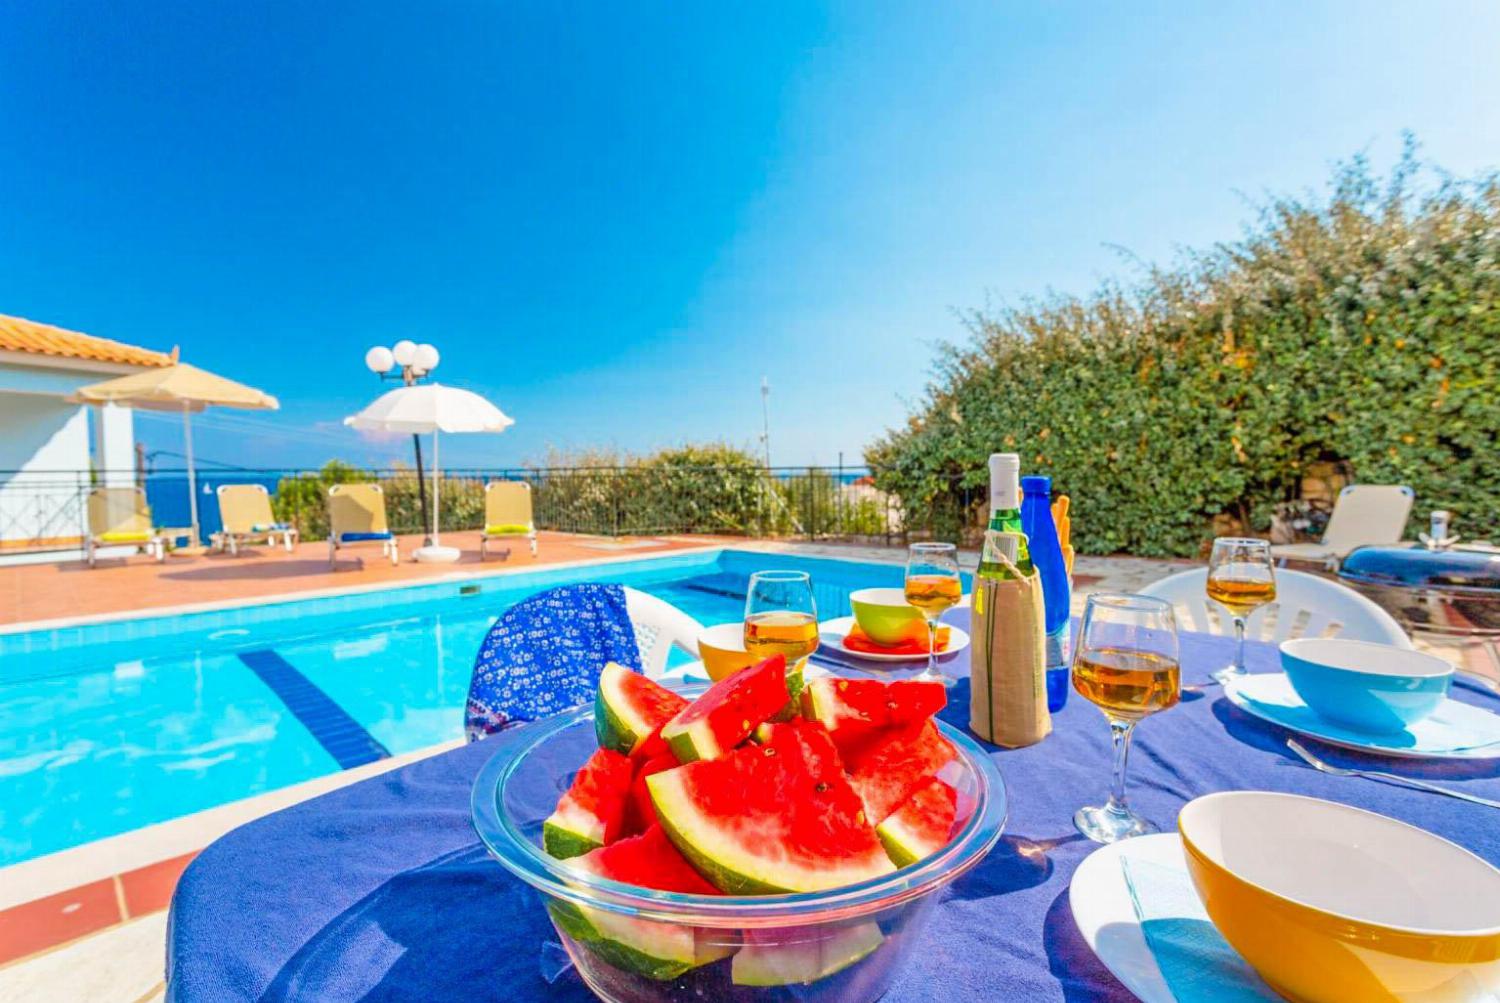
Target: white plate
<point>1106,917</point>
<point>831,635</point>
<point>1270,697</point>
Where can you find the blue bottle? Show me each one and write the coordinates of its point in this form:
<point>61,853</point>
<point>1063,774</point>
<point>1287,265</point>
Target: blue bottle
<point>1047,556</point>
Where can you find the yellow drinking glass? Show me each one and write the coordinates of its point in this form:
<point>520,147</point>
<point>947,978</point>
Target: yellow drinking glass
<point>933,586</point>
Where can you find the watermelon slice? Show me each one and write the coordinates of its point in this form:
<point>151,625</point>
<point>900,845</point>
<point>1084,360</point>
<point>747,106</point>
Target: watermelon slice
<point>801,955</point>
<point>771,818</point>
<point>726,714</point>
<point>921,826</point>
<point>592,811</point>
<point>656,950</point>
<point>629,709</point>
<point>853,710</point>
<point>888,769</point>
<point>639,815</point>
<point>794,685</point>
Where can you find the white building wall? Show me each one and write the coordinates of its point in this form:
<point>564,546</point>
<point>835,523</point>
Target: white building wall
<point>44,465</point>
<point>114,444</point>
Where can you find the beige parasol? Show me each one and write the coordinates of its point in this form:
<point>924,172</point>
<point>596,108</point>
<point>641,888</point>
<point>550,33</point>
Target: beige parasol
<point>178,387</point>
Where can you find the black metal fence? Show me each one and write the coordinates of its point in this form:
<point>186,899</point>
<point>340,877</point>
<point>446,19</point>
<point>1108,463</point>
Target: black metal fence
<point>39,510</point>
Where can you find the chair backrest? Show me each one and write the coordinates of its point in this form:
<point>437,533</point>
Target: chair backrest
<point>1305,606</point>
<point>659,626</point>
<point>118,510</point>
<point>507,503</point>
<point>242,507</point>
<point>1368,514</point>
<point>545,653</point>
<point>356,508</point>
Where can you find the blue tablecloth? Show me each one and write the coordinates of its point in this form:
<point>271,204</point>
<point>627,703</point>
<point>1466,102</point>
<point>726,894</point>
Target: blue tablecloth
<point>381,891</point>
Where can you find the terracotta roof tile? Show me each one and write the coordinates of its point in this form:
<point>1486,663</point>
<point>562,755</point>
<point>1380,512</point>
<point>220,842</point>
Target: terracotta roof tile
<point>20,335</point>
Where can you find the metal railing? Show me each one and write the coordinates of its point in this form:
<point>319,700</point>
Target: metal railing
<point>44,510</point>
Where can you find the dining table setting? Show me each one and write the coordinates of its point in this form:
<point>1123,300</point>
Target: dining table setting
<point>386,891</point>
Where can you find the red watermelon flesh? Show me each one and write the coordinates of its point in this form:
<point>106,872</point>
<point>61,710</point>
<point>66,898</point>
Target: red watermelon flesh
<point>639,815</point>
<point>649,860</point>
<point>922,825</point>
<point>764,819</point>
<point>890,767</point>
<point>591,812</point>
<point>725,715</point>
<point>854,709</point>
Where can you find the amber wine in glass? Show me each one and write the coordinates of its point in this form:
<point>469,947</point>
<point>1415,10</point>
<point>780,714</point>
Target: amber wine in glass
<point>781,617</point>
<point>1126,665</point>
<point>1241,579</point>
<point>933,587</point>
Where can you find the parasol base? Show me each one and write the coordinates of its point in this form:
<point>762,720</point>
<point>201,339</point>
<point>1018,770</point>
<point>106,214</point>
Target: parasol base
<point>434,554</point>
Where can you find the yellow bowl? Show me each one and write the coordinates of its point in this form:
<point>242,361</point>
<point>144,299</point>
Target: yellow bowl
<point>722,648</point>
<point>1331,903</point>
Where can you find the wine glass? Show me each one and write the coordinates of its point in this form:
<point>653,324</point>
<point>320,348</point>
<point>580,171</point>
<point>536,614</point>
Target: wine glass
<point>933,586</point>
<point>1126,665</point>
<point>781,617</point>
<point>1241,580</point>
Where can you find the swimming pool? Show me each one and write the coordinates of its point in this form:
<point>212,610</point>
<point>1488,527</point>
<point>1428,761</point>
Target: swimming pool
<point>108,727</point>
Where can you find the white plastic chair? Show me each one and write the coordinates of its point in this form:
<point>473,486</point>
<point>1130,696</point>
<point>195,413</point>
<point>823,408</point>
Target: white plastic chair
<point>659,626</point>
<point>1305,606</point>
<point>1364,514</point>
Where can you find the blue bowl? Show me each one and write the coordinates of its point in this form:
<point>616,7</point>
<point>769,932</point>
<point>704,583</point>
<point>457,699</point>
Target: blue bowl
<point>1375,688</point>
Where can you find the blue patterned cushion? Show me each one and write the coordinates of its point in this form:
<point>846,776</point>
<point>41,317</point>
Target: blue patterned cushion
<point>363,537</point>
<point>545,653</point>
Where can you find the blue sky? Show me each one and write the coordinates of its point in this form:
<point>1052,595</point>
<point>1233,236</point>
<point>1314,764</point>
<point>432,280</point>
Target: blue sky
<point>613,219</point>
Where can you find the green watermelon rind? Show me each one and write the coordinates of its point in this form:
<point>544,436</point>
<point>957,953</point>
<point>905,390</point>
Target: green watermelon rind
<point>673,809</point>
<point>570,831</point>
<point>695,742</point>
<point>780,965</point>
<point>574,923</point>
<point>901,843</point>
<point>614,726</point>
<point>794,685</point>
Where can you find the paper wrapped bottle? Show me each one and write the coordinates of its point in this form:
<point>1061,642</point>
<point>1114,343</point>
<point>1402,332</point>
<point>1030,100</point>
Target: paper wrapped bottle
<point>1007,656</point>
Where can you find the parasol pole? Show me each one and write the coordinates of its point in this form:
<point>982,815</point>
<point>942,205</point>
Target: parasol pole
<point>436,464</point>
<point>187,436</point>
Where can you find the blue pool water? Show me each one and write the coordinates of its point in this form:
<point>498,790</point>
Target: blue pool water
<point>109,727</point>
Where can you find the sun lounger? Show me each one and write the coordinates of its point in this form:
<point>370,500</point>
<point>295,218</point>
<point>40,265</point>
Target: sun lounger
<point>120,517</point>
<point>356,515</point>
<point>507,515</point>
<point>245,511</point>
<point>1364,514</point>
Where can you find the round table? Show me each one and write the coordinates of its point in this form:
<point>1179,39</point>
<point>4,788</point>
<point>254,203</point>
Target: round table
<point>381,890</point>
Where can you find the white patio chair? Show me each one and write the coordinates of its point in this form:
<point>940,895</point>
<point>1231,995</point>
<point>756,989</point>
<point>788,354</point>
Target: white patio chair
<point>1364,514</point>
<point>1305,606</point>
<point>659,626</point>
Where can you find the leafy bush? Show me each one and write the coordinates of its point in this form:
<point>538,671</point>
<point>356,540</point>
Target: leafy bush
<point>1363,327</point>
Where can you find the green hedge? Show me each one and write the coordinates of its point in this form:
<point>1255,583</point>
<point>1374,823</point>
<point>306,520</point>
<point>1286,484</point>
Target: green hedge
<point>1361,326</point>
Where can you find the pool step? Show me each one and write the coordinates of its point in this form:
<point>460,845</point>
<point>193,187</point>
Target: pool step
<point>342,737</point>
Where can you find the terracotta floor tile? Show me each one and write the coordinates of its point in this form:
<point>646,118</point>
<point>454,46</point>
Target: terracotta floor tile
<point>57,919</point>
<point>149,889</point>
<point>71,589</point>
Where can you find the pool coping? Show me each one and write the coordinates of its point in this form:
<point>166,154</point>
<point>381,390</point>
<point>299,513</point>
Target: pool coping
<point>72,893</point>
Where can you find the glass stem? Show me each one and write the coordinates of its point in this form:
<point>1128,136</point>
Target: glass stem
<point>1239,644</point>
<point>1119,733</point>
<point>932,647</point>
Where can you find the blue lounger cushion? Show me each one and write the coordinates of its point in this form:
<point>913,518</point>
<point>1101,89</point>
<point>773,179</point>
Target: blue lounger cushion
<point>363,537</point>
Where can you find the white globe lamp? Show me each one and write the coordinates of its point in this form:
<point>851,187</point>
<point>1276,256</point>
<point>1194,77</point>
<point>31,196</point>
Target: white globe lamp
<point>405,352</point>
<point>426,358</point>
<point>379,359</point>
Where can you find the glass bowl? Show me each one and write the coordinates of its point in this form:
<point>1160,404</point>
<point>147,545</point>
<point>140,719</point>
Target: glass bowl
<point>638,945</point>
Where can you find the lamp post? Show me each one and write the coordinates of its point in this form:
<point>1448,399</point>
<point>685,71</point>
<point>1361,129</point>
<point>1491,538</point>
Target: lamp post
<point>410,363</point>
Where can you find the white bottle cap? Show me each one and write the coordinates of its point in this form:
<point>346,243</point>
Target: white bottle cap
<point>1005,481</point>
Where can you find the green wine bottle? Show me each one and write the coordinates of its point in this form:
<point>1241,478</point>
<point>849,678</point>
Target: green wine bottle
<point>1005,515</point>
